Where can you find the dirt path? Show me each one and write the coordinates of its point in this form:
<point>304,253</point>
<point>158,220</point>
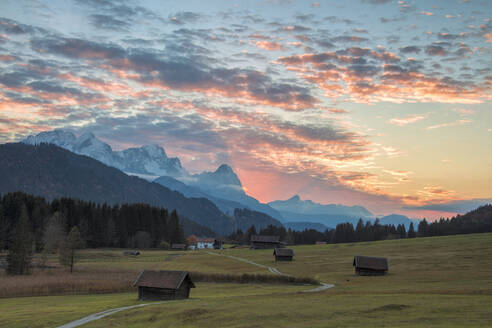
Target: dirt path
<point>100,315</point>
<point>324,286</point>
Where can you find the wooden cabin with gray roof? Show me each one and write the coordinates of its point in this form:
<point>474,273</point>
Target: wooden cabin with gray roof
<point>283,254</point>
<point>370,265</point>
<point>265,242</point>
<point>163,285</point>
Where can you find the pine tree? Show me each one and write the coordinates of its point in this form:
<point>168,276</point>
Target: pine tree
<point>250,232</point>
<point>411,231</point>
<point>423,228</point>
<point>401,231</point>
<point>19,258</point>
<point>67,254</point>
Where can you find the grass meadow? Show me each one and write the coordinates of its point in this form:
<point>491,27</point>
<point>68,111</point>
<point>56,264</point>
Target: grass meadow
<point>433,282</point>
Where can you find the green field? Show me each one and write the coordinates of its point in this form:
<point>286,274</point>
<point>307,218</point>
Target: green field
<point>433,282</point>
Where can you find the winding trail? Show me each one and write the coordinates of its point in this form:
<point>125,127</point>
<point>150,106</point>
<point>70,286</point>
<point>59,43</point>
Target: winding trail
<point>100,315</point>
<point>324,286</point>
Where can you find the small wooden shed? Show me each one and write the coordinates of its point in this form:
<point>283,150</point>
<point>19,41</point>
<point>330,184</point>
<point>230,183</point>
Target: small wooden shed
<point>370,265</point>
<point>283,254</point>
<point>134,253</point>
<point>178,247</point>
<point>264,242</point>
<point>163,285</point>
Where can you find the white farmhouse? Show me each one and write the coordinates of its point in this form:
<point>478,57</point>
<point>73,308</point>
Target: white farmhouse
<point>202,243</point>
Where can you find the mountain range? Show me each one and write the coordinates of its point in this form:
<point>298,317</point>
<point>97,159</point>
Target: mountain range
<point>150,161</point>
<point>52,172</point>
<point>221,187</point>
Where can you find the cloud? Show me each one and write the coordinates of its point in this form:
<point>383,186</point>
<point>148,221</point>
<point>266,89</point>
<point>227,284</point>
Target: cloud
<point>456,206</point>
<point>184,17</point>
<point>427,13</point>
<point>435,50</point>
<point>346,74</point>
<point>188,74</point>
<point>410,49</point>
<point>444,125</point>
<point>108,22</point>
<point>269,45</point>
<point>407,120</point>
<point>376,2</point>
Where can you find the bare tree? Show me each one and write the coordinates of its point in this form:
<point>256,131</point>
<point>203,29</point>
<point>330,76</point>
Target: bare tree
<point>54,233</point>
<point>67,252</point>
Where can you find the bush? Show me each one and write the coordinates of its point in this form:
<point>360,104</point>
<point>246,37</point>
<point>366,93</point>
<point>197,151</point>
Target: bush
<point>247,278</point>
<point>164,245</point>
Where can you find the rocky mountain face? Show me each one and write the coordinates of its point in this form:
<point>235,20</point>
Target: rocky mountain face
<point>146,160</point>
<point>224,184</point>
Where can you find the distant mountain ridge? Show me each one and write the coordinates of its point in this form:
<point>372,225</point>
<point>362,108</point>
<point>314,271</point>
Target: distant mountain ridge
<point>297,210</point>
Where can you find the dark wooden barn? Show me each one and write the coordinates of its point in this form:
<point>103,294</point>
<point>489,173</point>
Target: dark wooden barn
<point>264,242</point>
<point>283,254</point>
<point>370,265</point>
<point>163,285</point>
<point>178,247</point>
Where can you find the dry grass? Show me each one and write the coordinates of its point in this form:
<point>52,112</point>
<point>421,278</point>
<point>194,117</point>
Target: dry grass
<point>96,280</point>
<point>60,282</point>
<point>252,278</point>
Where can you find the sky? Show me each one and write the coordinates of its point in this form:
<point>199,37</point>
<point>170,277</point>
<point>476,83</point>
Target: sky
<point>380,103</point>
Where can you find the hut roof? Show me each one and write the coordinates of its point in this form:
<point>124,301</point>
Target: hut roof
<point>265,239</point>
<point>371,262</point>
<point>283,252</point>
<point>162,279</point>
<point>205,240</point>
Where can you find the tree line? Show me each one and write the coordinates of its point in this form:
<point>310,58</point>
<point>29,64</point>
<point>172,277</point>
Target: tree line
<point>477,221</point>
<point>31,224</point>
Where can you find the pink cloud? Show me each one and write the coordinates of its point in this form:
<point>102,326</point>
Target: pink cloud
<point>407,120</point>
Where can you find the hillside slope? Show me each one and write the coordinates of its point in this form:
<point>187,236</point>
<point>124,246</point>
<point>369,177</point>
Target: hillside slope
<point>53,172</point>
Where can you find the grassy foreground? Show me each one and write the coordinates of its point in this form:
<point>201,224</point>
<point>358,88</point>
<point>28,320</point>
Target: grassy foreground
<point>433,282</point>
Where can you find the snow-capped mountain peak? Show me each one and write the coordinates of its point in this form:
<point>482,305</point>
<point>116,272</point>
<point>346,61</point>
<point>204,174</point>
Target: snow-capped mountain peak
<point>58,137</point>
<point>147,160</point>
<point>155,151</point>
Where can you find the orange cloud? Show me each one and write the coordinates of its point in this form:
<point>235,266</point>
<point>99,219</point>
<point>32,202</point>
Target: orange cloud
<point>269,45</point>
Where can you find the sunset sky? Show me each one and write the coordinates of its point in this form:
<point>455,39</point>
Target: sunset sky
<point>380,103</point>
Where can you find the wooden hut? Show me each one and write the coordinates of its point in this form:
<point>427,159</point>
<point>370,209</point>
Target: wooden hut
<point>370,265</point>
<point>178,247</point>
<point>283,254</point>
<point>134,253</point>
<point>264,242</point>
<point>218,244</point>
<point>163,285</point>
